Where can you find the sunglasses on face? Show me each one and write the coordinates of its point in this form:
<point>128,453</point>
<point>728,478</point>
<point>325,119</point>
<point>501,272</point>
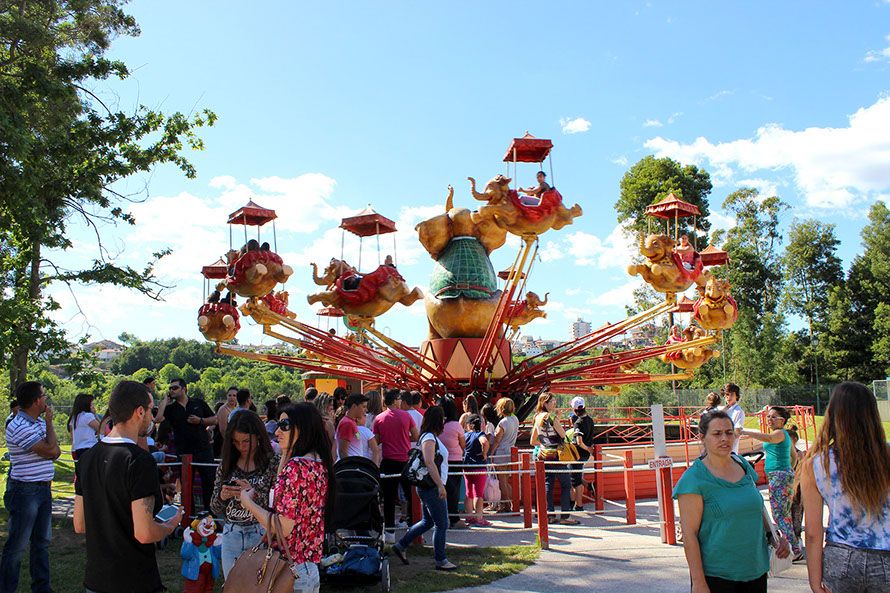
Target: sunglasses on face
<point>284,425</point>
<point>175,388</point>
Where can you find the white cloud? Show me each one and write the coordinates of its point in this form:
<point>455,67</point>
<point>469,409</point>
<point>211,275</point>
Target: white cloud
<point>618,296</point>
<point>720,94</point>
<point>721,221</point>
<point>615,251</point>
<point>574,125</point>
<point>674,117</point>
<point>621,161</point>
<point>831,167</point>
<point>551,251</point>
<point>878,55</point>
<point>766,187</point>
<point>652,123</point>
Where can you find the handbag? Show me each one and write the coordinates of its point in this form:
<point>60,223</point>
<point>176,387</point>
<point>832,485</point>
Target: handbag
<point>492,489</point>
<point>568,452</point>
<point>263,571</point>
<point>776,565</point>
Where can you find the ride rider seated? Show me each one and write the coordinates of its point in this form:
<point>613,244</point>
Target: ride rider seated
<point>533,194</point>
<point>687,252</point>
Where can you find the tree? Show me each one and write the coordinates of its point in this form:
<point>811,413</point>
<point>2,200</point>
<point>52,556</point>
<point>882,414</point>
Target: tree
<point>755,273</point>
<point>62,152</point>
<point>812,268</point>
<point>651,179</point>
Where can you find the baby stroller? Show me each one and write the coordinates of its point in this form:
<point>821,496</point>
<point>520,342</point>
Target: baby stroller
<point>354,536</point>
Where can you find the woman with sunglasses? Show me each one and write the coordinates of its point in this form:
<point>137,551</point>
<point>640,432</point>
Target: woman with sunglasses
<point>779,451</point>
<point>303,494</point>
<point>547,435</point>
<point>247,462</point>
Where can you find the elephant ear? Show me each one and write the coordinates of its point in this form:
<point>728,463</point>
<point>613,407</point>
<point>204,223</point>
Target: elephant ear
<point>490,235</point>
<point>434,234</point>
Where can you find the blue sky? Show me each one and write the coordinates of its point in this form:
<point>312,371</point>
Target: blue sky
<point>326,107</point>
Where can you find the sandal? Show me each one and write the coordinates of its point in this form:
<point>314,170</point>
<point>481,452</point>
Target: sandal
<point>483,523</point>
<point>569,521</point>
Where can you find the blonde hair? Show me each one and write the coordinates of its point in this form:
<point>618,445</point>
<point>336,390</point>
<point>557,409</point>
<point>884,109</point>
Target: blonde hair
<point>542,400</point>
<point>852,432</point>
<point>505,407</point>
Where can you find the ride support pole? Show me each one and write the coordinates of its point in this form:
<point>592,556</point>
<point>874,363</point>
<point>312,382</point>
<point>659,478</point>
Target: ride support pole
<point>514,478</point>
<point>186,483</point>
<point>630,493</point>
<point>667,489</point>
<point>526,480</point>
<point>599,478</point>
<point>684,434</point>
<point>541,494</point>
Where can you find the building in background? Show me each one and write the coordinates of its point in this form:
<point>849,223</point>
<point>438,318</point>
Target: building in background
<point>580,328</point>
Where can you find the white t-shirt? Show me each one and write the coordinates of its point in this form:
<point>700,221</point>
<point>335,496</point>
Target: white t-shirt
<point>443,469</point>
<point>417,417</point>
<point>359,445</point>
<point>737,415</point>
<point>83,436</point>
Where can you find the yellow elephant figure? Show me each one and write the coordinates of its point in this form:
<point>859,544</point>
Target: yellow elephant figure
<point>663,269</point>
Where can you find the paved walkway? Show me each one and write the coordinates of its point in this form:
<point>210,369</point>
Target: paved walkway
<point>601,554</point>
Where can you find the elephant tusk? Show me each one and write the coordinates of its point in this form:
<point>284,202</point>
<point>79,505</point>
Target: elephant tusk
<point>203,321</point>
<point>228,321</point>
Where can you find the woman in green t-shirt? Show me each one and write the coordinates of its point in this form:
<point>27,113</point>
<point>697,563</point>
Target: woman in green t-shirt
<point>779,451</point>
<point>721,514</point>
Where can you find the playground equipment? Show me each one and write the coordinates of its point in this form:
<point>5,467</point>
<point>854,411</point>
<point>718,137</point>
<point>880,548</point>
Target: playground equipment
<point>472,319</point>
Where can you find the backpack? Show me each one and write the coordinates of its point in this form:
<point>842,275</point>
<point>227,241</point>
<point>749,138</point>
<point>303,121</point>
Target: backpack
<point>416,472</point>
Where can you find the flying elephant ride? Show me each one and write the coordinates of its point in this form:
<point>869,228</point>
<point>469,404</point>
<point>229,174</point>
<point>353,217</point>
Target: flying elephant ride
<point>364,295</point>
<point>692,357</point>
<point>255,269</point>
<point>218,317</point>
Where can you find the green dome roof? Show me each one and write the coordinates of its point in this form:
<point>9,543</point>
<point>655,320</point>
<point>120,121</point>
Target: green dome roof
<point>463,270</point>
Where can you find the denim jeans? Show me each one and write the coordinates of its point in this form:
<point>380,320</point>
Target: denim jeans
<point>235,540</point>
<point>435,513</point>
<point>565,486</point>
<point>853,570</point>
<point>307,580</point>
<point>30,508</point>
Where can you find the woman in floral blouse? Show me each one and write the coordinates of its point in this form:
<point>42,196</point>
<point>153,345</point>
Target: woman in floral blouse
<point>247,462</point>
<point>303,493</point>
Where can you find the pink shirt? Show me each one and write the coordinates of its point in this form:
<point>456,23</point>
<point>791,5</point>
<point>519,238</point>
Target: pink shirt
<point>393,430</point>
<point>450,437</point>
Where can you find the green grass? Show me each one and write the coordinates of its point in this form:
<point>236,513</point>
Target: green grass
<point>63,482</point>
<point>478,566</point>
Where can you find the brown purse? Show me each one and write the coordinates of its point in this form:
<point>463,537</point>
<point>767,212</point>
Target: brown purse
<point>263,571</point>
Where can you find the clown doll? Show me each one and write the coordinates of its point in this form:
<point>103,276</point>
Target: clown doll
<point>201,556</point>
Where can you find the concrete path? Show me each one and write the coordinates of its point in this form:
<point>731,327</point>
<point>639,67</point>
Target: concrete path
<point>601,554</point>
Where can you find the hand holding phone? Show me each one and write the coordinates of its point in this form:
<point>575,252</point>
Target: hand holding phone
<point>167,512</point>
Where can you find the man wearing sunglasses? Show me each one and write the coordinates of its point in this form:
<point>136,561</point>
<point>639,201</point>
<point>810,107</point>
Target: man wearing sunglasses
<point>190,417</point>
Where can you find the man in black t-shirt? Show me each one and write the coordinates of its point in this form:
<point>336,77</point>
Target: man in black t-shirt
<point>189,417</point>
<point>583,425</point>
<point>117,495</point>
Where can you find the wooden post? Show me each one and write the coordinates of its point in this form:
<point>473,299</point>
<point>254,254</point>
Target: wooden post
<point>541,493</point>
<point>514,477</point>
<point>187,498</point>
<point>630,494</point>
<point>526,480</point>
<point>600,478</point>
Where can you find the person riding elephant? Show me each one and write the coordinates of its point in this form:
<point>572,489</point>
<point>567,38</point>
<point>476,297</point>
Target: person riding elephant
<point>508,210</point>
<point>525,311</point>
<point>715,309</point>
<point>663,268</point>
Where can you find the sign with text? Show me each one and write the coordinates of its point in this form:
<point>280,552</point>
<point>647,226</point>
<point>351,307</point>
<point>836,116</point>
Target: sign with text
<point>661,462</point>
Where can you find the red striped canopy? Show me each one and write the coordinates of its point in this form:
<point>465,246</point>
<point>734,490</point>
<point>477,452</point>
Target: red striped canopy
<point>368,223</point>
<point>670,207</point>
<point>252,214</point>
<point>528,149</point>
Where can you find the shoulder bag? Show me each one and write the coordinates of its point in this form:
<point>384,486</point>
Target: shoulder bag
<point>416,472</point>
<point>263,571</point>
<point>776,565</point>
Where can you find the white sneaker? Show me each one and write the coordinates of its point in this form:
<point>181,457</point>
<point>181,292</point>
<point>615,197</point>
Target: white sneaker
<point>389,537</point>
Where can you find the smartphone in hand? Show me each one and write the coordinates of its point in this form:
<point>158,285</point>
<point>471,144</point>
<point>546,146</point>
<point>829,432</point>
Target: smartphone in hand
<point>167,512</point>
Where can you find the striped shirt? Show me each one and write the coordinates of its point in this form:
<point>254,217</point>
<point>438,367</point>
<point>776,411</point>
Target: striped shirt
<point>27,466</point>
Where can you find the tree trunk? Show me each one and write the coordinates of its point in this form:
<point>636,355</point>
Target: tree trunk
<point>18,372</point>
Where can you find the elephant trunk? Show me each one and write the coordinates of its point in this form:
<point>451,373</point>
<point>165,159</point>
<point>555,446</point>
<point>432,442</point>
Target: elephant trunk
<point>449,201</point>
<point>477,195</point>
<point>544,302</point>
<point>320,281</point>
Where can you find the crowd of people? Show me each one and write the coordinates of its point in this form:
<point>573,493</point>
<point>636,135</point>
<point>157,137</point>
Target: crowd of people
<point>250,469</point>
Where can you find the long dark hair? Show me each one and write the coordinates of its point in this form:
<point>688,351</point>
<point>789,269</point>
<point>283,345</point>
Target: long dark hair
<point>433,420</point>
<point>250,424</point>
<point>312,438</point>
<point>449,408</point>
<point>81,404</point>
<point>852,431</point>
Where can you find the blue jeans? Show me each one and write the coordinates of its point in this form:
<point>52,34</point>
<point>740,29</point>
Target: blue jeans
<point>435,513</point>
<point>30,508</point>
<point>565,487</point>
<point>235,540</point>
<point>307,580</point>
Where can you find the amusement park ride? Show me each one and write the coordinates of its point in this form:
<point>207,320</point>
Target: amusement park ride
<point>471,319</point>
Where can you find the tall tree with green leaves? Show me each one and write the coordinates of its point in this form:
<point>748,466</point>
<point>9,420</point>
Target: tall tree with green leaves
<point>811,268</point>
<point>62,152</point>
<point>755,273</point>
<point>650,180</point>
